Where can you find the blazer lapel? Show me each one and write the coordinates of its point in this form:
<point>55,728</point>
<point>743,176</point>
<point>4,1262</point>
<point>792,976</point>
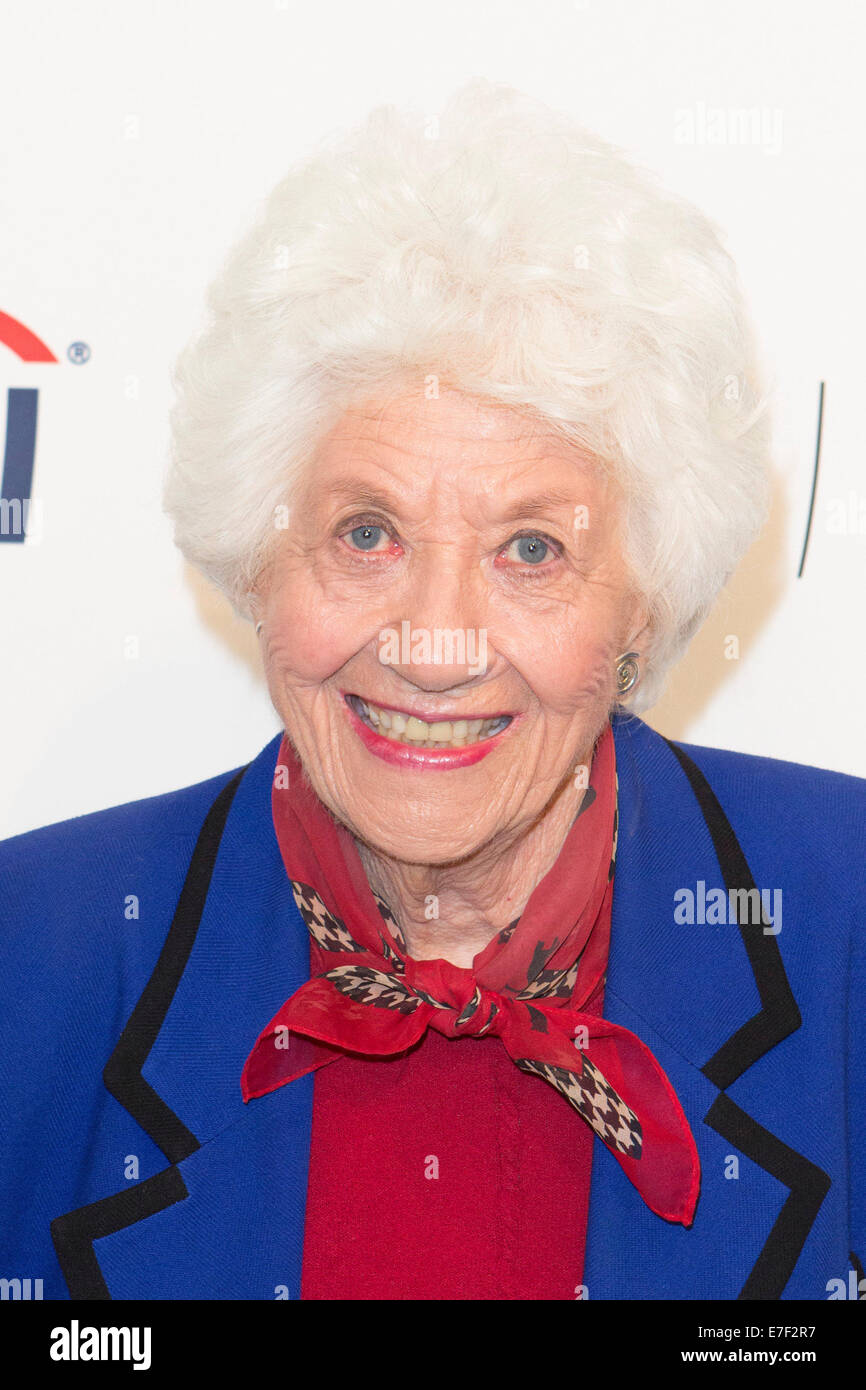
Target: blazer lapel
<point>710,1001</point>
<point>224,1218</point>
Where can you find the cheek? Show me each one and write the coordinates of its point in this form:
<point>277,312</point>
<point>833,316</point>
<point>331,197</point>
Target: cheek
<point>566,656</point>
<point>577,676</point>
<point>310,639</point>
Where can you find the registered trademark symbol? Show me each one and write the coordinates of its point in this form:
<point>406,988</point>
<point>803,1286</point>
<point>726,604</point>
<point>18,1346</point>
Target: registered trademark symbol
<point>79,353</point>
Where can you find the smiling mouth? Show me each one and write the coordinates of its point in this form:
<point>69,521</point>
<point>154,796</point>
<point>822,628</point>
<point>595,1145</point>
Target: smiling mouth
<point>399,727</point>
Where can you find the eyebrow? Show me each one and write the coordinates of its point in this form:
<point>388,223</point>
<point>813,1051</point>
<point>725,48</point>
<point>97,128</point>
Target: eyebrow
<point>540,505</point>
<point>345,490</point>
<point>362,496</point>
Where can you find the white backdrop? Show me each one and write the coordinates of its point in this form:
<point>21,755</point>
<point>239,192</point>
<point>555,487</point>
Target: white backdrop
<point>138,141</point>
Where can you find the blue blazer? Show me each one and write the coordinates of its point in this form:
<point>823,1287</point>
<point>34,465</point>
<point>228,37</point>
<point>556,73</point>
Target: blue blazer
<point>144,948</point>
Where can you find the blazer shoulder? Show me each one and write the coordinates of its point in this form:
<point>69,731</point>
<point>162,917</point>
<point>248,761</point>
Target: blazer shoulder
<point>754,775</point>
<point>783,806</point>
<point>745,775</point>
<point>75,884</point>
<point>76,840</point>
<point>809,818</point>
<point>85,907</point>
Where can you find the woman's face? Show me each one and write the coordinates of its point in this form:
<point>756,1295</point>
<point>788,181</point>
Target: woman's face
<point>447,561</point>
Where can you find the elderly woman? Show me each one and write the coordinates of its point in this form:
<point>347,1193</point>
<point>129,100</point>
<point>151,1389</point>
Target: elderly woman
<point>469,985</point>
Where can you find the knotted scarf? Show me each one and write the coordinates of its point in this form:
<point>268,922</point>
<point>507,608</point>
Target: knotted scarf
<point>368,996</point>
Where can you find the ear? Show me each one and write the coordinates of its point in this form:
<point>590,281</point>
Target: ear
<point>257,594</point>
<point>640,627</point>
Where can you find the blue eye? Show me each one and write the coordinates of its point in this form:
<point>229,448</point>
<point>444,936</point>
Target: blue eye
<point>531,550</point>
<point>366,537</point>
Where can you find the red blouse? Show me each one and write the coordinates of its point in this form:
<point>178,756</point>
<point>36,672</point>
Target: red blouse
<point>446,1173</point>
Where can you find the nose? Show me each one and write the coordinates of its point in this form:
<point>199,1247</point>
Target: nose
<point>440,642</point>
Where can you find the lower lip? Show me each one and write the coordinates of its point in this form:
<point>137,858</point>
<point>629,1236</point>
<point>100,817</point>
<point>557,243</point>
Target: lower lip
<point>423,759</point>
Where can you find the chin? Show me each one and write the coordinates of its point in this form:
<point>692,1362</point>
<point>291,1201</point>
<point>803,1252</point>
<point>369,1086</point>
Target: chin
<point>418,846</point>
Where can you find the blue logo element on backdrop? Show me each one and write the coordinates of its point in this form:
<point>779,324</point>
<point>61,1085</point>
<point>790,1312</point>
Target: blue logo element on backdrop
<point>20,450</point>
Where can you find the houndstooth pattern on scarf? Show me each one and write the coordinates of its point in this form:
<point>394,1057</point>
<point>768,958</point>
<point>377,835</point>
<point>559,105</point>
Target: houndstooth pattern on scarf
<point>596,1100</point>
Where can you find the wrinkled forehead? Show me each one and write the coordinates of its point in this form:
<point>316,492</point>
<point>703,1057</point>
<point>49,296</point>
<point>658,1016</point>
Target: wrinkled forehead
<point>417,449</point>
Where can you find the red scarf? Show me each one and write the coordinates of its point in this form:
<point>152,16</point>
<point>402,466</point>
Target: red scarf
<point>368,996</point>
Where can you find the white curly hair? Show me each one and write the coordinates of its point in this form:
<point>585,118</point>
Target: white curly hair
<point>525,261</point>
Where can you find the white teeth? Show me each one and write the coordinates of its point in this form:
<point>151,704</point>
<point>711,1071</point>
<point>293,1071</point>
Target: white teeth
<point>442,733</point>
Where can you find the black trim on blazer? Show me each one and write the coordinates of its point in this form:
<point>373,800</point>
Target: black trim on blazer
<point>777,1018</point>
<point>122,1072</point>
<point>808,1186</point>
<point>73,1234</point>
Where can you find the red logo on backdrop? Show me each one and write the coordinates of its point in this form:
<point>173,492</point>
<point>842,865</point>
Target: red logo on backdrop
<point>19,454</point>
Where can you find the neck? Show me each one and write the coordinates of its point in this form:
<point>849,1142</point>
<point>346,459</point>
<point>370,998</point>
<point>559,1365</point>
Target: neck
<point>452,911</point>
